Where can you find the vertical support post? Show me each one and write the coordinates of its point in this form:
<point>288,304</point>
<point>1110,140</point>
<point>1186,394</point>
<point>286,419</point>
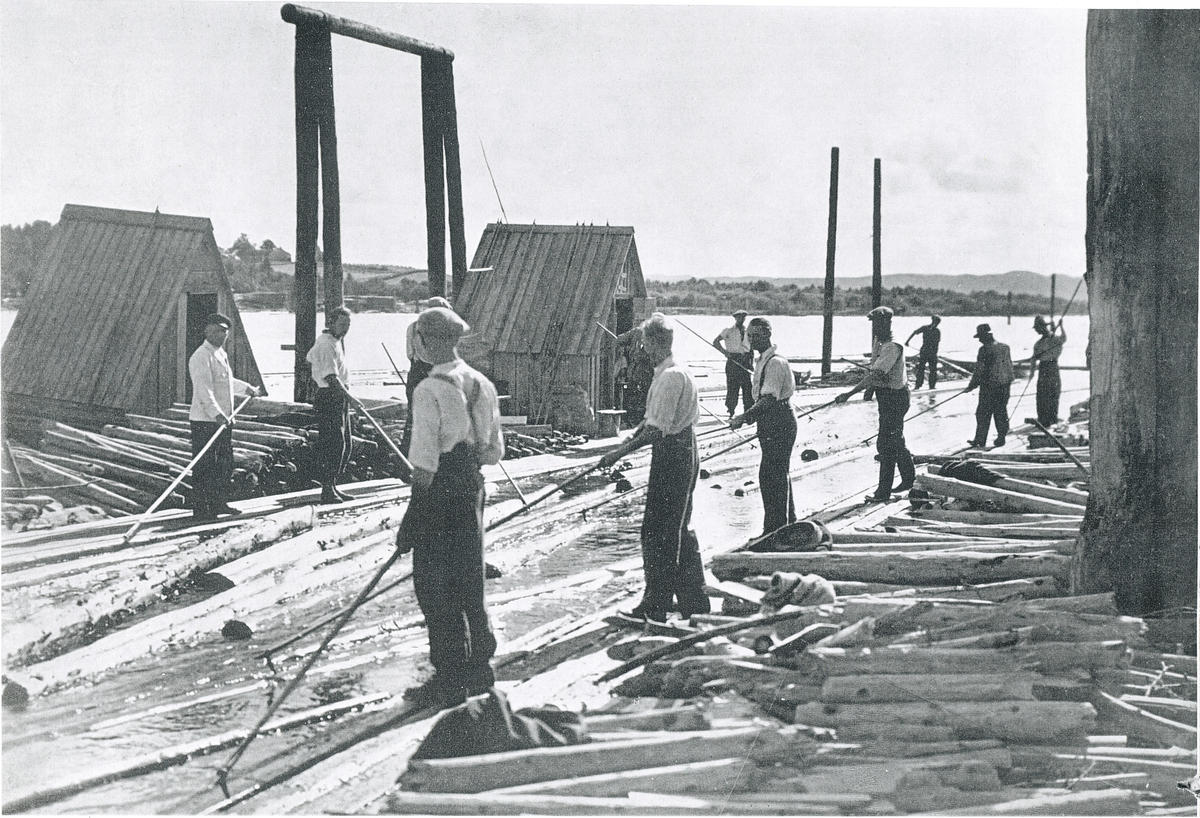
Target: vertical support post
<point>435,180</point>
<point>1053,277</point>
<point>305,284</point>
<point>331,200</point>
<point>830,247</point>
<point>454,200</point>
<point>1009,307</point>
<point>876,241</point>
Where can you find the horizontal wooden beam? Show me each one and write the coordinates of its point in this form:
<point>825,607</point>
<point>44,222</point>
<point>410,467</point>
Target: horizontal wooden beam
<point>302,15</point>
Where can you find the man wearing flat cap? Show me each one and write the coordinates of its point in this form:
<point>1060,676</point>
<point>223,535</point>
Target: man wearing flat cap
<point>1045,360</point>
<point>772,412</point>
<point>418,367</point>
<point>456,429</point>
<point>734,345</point>
<point>888,378</point>
<point>331,372</point>
<point>994,376</point>
<point>213,387</point>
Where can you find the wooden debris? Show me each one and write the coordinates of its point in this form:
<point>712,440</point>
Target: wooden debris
<point>905,568</point>
<point>1009,720</point>
<point>1000,498</point>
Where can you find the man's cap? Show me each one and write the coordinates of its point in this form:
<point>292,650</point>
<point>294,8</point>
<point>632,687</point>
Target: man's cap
<point>878,313</point>
<point>1040,321</point>
<point>434,301</point>
<point>982,330</point>
<point>441,322</point>
<point>736,313</point>
<point>935,318</point>
<point>217,319</point>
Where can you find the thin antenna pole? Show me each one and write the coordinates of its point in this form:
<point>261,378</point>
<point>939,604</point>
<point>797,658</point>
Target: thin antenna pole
<point>493,178</point>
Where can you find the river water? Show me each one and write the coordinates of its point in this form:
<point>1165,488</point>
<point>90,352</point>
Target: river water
<point>199,687</point>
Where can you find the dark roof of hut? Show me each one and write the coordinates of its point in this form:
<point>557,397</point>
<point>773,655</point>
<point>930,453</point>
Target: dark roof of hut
<point>547,282</point>
<point>105,293</point>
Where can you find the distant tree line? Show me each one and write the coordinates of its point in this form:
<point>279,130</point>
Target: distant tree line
<point>21,250</point>
<point>698,295</point>
<point>249,269</point>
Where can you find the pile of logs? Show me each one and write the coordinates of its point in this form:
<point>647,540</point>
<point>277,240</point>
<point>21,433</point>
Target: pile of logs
<point>122,468</point>
<point>950,674</point>
<point>530,440</point>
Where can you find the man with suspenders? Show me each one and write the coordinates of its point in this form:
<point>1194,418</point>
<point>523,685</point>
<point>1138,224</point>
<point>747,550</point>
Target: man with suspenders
<point>773,384</point>
<point>456,429</point>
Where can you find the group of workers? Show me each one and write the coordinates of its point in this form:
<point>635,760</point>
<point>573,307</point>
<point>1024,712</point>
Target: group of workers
<point>453,428</point>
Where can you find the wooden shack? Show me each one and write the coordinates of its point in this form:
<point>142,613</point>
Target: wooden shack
<point>115,310</point>
<point>535,298</point>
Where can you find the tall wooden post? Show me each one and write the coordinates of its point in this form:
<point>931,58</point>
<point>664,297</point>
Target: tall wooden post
<point>876,245</point>
<point>1139,532</point>
<point>307,138</point>
<point>1009,308</point>
<point>435,179</point>
<point>454,203</point>
<point>830,247</point>
<point>331,197</point>
<point>1050,317</point>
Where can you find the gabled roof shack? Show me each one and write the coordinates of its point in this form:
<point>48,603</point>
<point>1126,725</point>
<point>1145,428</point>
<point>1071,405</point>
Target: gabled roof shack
<point>548,283</point>
<point>104,308</point>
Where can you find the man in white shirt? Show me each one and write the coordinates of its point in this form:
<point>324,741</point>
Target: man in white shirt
<point>670,551</point>
<point>327,360</point>
<point>735,346</point>
<point>772,411</point>
<point>888,377</point>
<point>456,428</point>
<point>211,412</point>
<point>418,367</point>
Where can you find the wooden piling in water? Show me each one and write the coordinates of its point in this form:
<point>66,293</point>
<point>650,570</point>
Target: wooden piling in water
<point>435,199</point>
<point>876,242</point>
<point>830,247</point>
<point>307,139</point>
<point>331,221</point>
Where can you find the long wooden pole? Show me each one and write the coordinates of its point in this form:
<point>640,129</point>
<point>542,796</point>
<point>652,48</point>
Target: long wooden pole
<point>307,176</point>
<point>876,240</point>
<point>331,198</point>
<point>454,196</point>
<point>435,179</point>
<point>830,248</point>
<point>1053,281</point>
<point>320,20</point>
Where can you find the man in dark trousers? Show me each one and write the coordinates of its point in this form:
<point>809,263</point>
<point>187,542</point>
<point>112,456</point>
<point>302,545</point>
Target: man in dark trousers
<point>638,372</point>
<point>773,385</point>
<point>418,367</point>
<point>213,386</point>
<point>670,551</point>
<point>887,377</point>
<point>456,429</point>
<point>734,345</point>
<point>1045,360</point>
<point>331,373</point>
<point>993,375</point>
<point>931,338</point>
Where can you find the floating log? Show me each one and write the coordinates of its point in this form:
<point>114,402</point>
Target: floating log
<point>1001,498</point>
<point>1008,720</point>
<point>946,515</point>
<point>491,771</point>
<point>92,489</point>
<point>724,775</point>
<point>1046,658</point>
<point>1022,533</point>
<point>1091,802</point>
<point>882,778</point>
<point>690,717</point>
<point>957,687</point>
<point>1036,471</point>
<point>911,569</point>
<point>138,478</point>
<point>57,442</point>
<point>1072,496</point>
<point>416,803</point>
<point>1143,724</point>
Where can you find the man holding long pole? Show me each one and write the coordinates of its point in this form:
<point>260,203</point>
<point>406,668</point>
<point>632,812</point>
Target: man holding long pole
<point>735,346</point>
<point>211,412</point>
<point>670,551</point>
<point>1046,351</point>
<point>332,375</point>
<point>456,428</point>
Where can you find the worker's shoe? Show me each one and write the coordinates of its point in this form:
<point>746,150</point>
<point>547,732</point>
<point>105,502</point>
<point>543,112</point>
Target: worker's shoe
<point>330,495</point>
<point>878,498</point>
<point>480,681</point>
<point>644,612</point>
<point>976,444</point>
<point>998,441</point>
<point>436,692</point>
<point>902,486</point>
<point>225,510</point>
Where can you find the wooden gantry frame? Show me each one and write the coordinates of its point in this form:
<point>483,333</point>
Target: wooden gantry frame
<point>317,169</point>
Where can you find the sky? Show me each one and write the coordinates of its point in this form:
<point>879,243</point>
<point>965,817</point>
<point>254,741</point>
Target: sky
<point>707,128</point>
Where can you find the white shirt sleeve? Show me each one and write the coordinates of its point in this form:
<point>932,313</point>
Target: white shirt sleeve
<point>425,450</point>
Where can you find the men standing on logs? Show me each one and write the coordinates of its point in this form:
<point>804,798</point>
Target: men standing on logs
<point>1045,360</point>
<point>734,345</point>
<point>773,385</point>
<point>418,367</point>
<point>931,338</point>
<point>638,372</point>
<point>327,359</point>
<point>993,375</point>
<point>887,377</point>
<point>456,429</point>
<point>670,551</point>
<point>213,386</point>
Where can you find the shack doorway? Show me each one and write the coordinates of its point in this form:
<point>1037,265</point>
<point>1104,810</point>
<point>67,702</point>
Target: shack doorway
<point>199,307</point>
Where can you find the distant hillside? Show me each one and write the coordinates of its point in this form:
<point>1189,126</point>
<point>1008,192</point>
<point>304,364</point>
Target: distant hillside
<point>1018,282</point>
<point>362,272</point>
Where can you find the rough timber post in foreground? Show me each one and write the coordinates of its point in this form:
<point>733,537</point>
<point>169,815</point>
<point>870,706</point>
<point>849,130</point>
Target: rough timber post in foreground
<point>304,288</point>
<point>331,197</point>
<point>876,241</point>
<point>1139,534</point>
<point>830,246</point>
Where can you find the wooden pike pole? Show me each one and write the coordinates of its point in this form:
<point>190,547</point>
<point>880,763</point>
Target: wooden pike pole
<point>830,248</point>
<point>141,521</point>
<point>1065,450</point>
<point>705,340</point>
